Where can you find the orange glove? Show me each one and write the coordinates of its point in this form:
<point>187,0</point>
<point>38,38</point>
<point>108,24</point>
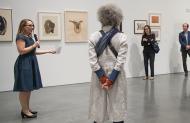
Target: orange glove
<point>103,79</point>
<point>109,83</point>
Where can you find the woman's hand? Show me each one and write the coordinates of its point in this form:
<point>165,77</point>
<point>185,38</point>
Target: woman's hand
<point>144,39</point>
<point>36,44</point>
<point>52,51</point>
<point>107,85</point>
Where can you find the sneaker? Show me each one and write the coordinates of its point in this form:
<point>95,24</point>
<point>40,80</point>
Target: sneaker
<point>145,78</point>
<point>151,78</point>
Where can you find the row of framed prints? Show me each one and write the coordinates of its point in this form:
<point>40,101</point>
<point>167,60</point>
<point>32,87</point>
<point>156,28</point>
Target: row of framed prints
<point>50,25</point>
<point>154,22</point>
<point>75,25</point>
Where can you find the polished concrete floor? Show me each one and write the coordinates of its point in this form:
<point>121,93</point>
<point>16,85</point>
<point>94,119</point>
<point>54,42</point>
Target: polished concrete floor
<point>164,100</point>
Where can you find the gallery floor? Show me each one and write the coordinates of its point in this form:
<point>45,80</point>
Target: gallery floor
<point>164,100</point>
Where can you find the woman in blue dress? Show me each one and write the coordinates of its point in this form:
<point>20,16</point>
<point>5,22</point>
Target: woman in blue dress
<point>26,71</point>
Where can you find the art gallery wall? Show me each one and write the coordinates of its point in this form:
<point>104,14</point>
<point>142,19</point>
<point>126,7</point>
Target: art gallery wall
<point>71,65</point>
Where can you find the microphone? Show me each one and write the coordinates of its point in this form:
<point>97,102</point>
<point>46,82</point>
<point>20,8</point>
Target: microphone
<point>36,39</point>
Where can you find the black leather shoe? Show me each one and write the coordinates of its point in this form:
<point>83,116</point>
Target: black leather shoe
<point>119,122</point>
<point>28,116</point>
<point>34,112</point>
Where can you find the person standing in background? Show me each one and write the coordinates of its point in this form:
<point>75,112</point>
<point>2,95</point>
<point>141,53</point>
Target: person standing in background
<point>148,38</point>
<point>184,40</point>
<point>26,70</point>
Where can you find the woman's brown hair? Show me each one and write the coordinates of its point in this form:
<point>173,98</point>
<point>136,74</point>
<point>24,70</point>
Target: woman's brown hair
<point>22,25</point>
<point>144,33</point>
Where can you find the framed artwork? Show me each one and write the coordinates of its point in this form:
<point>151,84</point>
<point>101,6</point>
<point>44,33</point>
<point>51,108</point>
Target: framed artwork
<point>76,26</point>
<point>139,26</point>
<point>49,26</point>
<point>6,28</point>
<point>121,27</point>
<point>155,19</point>
<point>157,32</point>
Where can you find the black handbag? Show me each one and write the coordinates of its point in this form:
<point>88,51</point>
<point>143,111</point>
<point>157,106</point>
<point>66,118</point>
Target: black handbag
<point>155,47</point>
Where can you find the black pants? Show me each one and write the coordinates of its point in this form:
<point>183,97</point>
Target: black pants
<point>184,58</point>
<point>149,56</point>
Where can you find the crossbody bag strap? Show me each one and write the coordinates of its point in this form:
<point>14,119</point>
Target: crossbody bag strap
<point>110,45</point>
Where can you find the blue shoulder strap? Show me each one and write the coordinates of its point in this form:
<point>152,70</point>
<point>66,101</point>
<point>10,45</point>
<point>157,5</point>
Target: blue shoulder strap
<point>105,41</point>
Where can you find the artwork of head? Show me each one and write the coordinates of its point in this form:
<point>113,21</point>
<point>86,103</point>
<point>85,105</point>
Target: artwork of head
<point>77,25</point>
<point>49,26</point>
<point>3,25</point>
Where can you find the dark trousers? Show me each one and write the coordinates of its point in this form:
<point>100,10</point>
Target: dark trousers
<point>149,56</point>
<point>184,58</point>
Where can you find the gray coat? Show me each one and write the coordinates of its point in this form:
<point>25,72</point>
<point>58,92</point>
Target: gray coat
<point>111,104</point>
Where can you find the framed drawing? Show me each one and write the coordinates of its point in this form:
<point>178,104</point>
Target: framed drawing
<point>49,26</point>
<point>76,26</point>
<point>139,26</point>
<point>155,19</point>
<point>6,28</point>
<point>157,32</point>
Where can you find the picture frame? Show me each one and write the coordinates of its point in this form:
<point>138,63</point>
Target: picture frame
<point>6,27</point>
<point>49,26</point>
<point>139,26</point>
<point>157,32</point>
<point>155,19</point>
<point>76,26</point>
<point>121,27</point>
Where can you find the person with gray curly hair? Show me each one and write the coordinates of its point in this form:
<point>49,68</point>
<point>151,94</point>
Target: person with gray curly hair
<point>110,15</point>
<point>107,55</point>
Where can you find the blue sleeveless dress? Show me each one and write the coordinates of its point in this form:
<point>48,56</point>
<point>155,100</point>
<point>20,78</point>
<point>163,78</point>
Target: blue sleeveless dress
<point>26,70</point>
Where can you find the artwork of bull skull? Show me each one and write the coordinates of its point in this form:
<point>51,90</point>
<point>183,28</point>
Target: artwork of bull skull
<point>77,25</point>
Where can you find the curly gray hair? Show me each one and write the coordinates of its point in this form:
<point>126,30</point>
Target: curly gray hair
<point>110,15</point>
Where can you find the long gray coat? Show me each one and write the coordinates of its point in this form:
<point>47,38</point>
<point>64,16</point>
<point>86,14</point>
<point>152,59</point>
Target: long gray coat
<point>111,104</point>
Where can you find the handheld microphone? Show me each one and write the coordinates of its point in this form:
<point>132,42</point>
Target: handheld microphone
<point>36,39</point>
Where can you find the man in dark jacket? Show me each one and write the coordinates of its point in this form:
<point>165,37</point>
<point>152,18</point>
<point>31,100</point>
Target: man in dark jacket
<point>184,39</point>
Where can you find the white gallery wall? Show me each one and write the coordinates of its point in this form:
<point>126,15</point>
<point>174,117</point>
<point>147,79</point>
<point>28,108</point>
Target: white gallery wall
<point>71,65</point>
